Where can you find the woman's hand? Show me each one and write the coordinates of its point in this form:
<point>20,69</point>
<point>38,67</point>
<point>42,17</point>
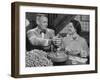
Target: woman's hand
<point>72,51</point>
<point>68,49</point>
<point>57,41</point>
<point>83,53</point>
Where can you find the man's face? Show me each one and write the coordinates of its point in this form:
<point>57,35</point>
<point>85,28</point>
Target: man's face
<point>43,23</point>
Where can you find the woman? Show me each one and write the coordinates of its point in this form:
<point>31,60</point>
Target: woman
<point>75,45</point>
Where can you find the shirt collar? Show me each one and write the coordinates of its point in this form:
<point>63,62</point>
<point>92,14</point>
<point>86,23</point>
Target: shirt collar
<point>39,30</point>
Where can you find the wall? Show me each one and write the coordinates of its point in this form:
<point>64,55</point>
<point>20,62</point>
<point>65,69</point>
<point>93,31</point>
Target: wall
<point>84,21</point>
<point>5,40</point>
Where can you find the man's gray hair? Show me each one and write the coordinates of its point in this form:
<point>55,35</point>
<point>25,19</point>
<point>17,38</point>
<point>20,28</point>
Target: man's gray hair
<point>38,16</point>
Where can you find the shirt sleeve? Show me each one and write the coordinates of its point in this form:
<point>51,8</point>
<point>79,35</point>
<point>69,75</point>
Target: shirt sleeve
<point>34,40</point>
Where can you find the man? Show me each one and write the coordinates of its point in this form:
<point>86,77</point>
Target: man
<point>41,36</point>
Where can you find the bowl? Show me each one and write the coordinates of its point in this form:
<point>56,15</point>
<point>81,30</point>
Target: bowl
<point>58,57</point>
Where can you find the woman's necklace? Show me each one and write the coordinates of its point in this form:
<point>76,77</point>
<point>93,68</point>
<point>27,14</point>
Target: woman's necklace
<point>73,36</point>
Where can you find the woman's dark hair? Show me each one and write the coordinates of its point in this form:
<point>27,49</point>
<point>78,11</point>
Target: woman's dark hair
<point>76,25</point>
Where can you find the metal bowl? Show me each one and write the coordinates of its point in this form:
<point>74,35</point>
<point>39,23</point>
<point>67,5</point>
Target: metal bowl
<point>61,57</point>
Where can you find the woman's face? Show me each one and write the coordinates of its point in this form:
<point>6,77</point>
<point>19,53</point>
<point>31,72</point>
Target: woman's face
<point>70,28</point>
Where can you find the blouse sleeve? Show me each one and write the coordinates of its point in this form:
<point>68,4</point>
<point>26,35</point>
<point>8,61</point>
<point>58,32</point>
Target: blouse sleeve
<point>84,49</point>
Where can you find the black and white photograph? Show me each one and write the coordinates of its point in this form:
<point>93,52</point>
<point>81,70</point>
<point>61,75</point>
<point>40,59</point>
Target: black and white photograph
<point>57,39</point>
<point>51,39</point>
